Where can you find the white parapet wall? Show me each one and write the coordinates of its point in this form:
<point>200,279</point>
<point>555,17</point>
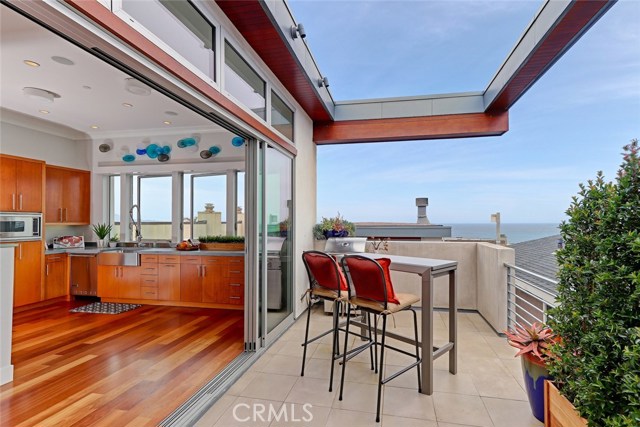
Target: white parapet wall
<point>6,311</point>
<point>481,275</point>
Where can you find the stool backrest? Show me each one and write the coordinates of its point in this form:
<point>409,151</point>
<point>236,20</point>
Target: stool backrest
<point>366,278</point>
<point>323,270</point>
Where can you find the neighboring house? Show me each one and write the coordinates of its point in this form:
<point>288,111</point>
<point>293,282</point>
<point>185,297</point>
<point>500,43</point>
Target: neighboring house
<point>536,290</point>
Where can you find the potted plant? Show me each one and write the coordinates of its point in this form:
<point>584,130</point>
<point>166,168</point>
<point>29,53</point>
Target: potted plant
<point>336,226</point>
<point>533,344</point>
<point>221,243</point>
<point>113,241</point>
<point>101,231</point>
<point>597,364</point>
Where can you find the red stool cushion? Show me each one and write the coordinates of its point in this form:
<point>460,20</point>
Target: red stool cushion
<point>367,279</point>
<point>323,269</point>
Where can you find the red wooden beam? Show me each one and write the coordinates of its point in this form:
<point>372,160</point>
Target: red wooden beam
<point>578,19</point>
<point>411,128</point>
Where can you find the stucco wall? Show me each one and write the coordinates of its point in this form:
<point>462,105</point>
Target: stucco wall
<point>492,283</point>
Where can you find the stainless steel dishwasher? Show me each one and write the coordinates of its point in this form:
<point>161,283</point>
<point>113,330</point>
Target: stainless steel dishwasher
<point>84,275</point>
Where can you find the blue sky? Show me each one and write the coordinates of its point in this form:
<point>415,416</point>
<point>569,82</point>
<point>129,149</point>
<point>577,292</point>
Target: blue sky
<point>572,123</point>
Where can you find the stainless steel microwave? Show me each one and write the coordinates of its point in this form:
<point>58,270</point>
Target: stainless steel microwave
<point>19,226</point>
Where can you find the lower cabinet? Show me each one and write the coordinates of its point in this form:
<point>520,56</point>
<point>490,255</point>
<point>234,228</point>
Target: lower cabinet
<point>27,281</point>
<point>56,282</point>
<point>215,280</point>
<point>118,282</point>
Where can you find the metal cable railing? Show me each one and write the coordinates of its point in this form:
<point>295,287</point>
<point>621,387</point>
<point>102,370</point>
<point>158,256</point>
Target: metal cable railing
<point>527,302</point>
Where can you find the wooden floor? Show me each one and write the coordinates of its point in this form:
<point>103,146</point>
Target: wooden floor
<point>133,368</point>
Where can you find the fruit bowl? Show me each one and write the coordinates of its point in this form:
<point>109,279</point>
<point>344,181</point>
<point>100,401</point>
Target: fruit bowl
<point>193,248</point>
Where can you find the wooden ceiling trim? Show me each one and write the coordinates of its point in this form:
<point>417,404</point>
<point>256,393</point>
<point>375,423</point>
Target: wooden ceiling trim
<point>411,128</point>
<point>573,24</point>
<point>114,25</point>
<point>251,19</point>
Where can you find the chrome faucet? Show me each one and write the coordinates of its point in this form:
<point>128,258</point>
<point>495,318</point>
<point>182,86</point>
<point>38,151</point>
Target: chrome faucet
<point>136,223</point>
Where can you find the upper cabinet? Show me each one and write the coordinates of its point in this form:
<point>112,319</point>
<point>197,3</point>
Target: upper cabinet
<point>68,196</point>
<point>22,184</point>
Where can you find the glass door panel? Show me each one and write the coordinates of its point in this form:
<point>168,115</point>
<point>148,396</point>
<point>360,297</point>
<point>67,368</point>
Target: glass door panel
<point>279,239</point>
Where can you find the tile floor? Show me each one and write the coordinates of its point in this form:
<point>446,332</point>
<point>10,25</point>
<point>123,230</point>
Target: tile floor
<point>487,391</point>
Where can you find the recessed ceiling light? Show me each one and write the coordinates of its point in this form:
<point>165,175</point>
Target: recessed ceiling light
<point>167,122</point>
<point>95,127</point>
<point>136,87</point>
<point>62,60</point>
<point>44,111</point>
<point>126,104</point>
<point>31,63</point>
<point>86,87</point>
<point>171,113</point>
<point>40,94</point>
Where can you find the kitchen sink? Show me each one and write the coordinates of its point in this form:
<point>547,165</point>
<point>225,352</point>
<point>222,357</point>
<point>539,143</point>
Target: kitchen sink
<point>120,256</point>
<point>145,244</point>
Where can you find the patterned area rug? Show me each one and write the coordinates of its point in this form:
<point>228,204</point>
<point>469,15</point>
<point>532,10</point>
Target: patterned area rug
<point>105,308</point>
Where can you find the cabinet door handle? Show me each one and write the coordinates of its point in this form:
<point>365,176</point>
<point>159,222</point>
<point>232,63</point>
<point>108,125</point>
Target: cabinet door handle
<point>115,272</point>
<point>13,201</point>
<point>234,284</point>
<point>20,198</point>
<point>204,271</point>
<point>46,270</point>
<point>20,250</point>
<point>65,215</point>
<point>234,271</point>
<point>234,297</point>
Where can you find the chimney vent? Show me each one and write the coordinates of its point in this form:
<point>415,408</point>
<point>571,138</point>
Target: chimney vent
<point>422,203</point>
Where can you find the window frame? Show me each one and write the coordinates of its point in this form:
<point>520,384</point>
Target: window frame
<point>140,177</point>
<point>118,10</point>
<point>286,102</point>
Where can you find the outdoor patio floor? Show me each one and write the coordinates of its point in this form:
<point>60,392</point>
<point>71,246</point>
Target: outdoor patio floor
<point>487,391</point>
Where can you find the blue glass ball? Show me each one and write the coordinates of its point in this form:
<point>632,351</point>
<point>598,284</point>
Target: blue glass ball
<point>237,141</point>
<point>180,144</point>
<point>152,151</point>
<point>166,149</point>
<point>141,151</point>
<point>215,150</point>
<point>128,158</point>
<point>187,142</point>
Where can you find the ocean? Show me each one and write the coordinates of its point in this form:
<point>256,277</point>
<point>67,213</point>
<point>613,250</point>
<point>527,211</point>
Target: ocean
<point>515,233</point>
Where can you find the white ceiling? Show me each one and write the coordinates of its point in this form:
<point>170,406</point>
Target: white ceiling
<point>78,107</point>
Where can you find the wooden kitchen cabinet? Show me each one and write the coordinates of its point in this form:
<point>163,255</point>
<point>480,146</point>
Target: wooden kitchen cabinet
<point>190,282</point>
<point>68,196</point>
<point>22,184</point>
<point>116,281</point>
<point>56,277</point>
<point>213,289</point>
<point>169,282</point>
<point>27,283</point>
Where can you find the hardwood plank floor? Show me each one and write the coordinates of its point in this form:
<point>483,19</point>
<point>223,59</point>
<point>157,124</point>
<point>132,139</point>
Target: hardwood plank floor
<point>134,368</point>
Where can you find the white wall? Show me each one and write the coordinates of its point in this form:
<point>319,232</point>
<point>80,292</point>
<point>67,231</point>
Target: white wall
<point>35,144</point>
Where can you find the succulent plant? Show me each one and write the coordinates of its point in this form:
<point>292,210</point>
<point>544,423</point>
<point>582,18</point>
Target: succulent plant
<point>536,340</point>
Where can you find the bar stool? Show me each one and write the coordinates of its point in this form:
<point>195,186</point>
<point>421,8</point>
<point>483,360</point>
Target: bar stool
<point>327,282</point>
<point>372,292</point>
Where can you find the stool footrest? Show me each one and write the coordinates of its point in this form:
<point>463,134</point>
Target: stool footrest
<point>401,371</point>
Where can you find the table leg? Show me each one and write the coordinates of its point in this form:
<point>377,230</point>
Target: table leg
<point>427,332</point>
<point>453,323</point>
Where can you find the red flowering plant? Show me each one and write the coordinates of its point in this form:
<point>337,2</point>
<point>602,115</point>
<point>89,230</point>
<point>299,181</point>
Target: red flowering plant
<point>535,340</point>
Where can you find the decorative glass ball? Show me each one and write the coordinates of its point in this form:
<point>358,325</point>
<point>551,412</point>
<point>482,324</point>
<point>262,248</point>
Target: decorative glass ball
<point>237,141</point>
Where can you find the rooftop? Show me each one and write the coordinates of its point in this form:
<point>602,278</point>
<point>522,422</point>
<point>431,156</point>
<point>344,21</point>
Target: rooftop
<point>538,256</point>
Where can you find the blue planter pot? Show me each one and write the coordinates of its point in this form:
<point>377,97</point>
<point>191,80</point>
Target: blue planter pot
<point>535,372</point>
<point>333,233</point>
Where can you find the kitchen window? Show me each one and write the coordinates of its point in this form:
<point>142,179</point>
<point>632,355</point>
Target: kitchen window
<point>243,83</point>
<point>114,203</point>
<point>281,116</point>
<point>153,196</point>
<point>181,26</point>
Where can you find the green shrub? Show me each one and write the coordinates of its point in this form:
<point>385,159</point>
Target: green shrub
<point>221,239</point>
<point>598,316</point>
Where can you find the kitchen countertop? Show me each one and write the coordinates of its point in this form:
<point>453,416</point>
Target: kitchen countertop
<point>150,251</point>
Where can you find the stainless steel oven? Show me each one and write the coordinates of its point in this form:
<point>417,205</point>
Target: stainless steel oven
<point>19,226</point>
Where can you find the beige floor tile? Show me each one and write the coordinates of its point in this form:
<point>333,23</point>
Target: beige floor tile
<point>347,418</point>
<point>261,363</point>
<point>245,412</point>
<point>276,346</point>
<point>404,402</point>
<point>461,409</point>
<point>501,348</point>
<point>292,348</point>
<point>215,412</point>
<point>440,424</point>
<point>510,413</point>
<point>506,387</point>
<point>477,348</point>
<point>241,383</point>
<point>391,421</point>
<point>460,383</point>
<point>321,368</point>
<point>299,415</point>
<point>357,397</point>
<point>269,386</point>
<point>358,372</point>
<point>285,365</point>
<point>314,391</point>
<point>514,366</point>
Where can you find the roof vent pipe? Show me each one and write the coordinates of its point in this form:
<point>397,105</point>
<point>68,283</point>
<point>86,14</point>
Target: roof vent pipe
<point>422,203</point>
